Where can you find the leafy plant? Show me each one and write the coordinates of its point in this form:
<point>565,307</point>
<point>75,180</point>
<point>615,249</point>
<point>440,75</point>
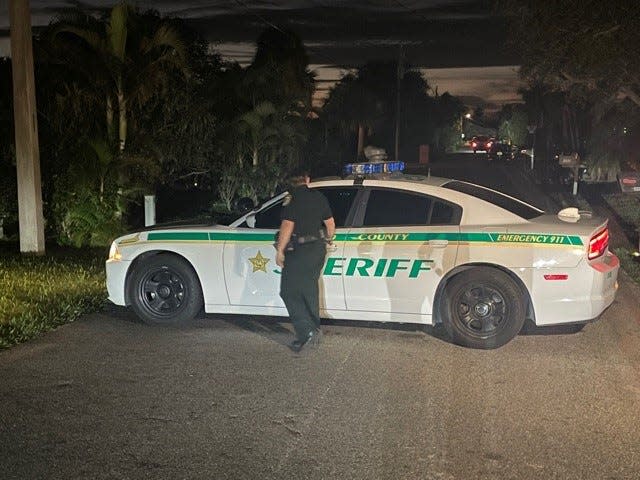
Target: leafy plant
<point>627,206</point>
<point>629,263</point>
<point>90,222</point>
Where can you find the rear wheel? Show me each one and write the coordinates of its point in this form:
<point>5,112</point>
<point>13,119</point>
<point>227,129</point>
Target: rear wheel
<point>482,308</point>
<point>165,289</point>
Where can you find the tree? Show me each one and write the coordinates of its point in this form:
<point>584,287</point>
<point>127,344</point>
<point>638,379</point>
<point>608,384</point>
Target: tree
<point>582,47</point>
<point>512,124</point>
<point>352,107</point>
<point>8,181</point>
<point>279,72</point>
<point>446,124</point>
<point>366,103</point>
<point>126,58</point>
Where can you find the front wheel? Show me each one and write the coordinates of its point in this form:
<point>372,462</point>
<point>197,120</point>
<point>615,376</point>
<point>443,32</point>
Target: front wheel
<point>482,308</point>
<point>165,289</point>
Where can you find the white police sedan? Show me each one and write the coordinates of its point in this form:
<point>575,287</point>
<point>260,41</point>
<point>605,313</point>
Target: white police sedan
<point>407,249</point>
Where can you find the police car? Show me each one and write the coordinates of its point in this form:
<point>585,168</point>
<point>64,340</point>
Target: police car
<point>407,248</point>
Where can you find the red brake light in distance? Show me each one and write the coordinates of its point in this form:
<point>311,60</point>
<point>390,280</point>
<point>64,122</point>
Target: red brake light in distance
<point>598,244</point>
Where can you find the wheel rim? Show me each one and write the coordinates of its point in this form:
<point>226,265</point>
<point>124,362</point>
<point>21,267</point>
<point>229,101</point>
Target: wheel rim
<point>162,291</point>
<point>481,310</point>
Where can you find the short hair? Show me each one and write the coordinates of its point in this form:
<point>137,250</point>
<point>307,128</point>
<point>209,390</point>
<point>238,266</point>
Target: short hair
<point>300,172</point>
<point>298,176</point>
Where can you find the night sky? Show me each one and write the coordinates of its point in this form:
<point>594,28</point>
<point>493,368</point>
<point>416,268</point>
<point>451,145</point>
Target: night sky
<point>458,44</point>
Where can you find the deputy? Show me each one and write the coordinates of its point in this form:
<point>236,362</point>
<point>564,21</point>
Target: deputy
<point>301,250</point>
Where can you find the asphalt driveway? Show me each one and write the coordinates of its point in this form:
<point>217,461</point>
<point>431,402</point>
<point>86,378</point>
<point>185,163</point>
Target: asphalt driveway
<point>222,397</point>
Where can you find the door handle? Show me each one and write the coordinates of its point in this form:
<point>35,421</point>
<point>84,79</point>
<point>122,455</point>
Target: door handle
<point>438,243</point>
<point>365,248</point>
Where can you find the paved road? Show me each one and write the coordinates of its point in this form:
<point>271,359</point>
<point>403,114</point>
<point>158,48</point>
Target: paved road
<point>222,398</point>
<point>107,397</point>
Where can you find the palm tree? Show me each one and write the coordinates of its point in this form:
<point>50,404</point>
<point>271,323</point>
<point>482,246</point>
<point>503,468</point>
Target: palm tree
<point>129,58</point>
<point>352,106</point>
<point>280,72</point>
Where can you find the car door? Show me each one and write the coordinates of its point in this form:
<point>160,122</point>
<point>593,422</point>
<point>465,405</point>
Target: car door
<point>401,245</point>
<point>251,274</point>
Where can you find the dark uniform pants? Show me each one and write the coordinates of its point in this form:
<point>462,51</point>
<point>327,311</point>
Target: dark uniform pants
<point>299,287</point>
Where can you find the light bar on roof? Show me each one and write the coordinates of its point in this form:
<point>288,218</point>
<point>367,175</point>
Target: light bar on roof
<point>372,167</point>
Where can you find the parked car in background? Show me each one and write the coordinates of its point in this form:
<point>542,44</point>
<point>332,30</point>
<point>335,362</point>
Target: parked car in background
<point>481,143</point>
<point>500,151</point>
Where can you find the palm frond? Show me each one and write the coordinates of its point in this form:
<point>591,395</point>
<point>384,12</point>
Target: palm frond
<point>117,30</point>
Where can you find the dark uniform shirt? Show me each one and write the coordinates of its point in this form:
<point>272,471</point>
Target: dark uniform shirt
<point>308,209</point>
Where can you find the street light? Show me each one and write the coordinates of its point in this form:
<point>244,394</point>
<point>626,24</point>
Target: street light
<point>462,118</point>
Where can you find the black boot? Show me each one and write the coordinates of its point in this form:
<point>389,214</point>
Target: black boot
<point>312,340</point>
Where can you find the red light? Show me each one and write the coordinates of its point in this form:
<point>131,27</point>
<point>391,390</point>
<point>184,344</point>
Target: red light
<point>489,145</point>
<point>474,144</point>
<point>557,276</point>
<point>598,244</point>
<point>629,181</point>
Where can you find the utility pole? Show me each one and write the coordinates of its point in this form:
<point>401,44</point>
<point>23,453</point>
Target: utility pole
<point>26,130</point>
<point>398,87</point>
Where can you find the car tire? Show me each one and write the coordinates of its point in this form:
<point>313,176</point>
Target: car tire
<point>164,289</point>
<point>482,308</point>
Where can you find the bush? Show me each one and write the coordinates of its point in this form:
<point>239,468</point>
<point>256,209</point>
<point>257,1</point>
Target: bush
<point>8,193</point>
<point>38,294</point>
<point>629,263</point>
<point>627,206</point>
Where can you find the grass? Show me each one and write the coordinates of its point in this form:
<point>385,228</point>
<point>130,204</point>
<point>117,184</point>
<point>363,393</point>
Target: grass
<point>39,293</point>
<point>626,206</point>
<point>628,263</point>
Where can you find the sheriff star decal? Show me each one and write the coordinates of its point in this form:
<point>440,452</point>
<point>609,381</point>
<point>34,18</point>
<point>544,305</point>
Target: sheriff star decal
<point>259,262</point>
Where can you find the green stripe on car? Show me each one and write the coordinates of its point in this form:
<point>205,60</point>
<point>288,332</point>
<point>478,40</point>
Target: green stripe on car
<point>489,237</point>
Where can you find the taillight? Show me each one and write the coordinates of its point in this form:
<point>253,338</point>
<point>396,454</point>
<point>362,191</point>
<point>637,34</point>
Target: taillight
<point>598,244</point>
<point>474,144</point>
<point>489,145</point>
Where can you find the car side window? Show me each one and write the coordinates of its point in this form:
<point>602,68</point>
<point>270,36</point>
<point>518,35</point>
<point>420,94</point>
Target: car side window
<point>270,217</point>
<point>398,208</point>
<point>392,207</point>
<point>340,200</point>
<point>444,214</point>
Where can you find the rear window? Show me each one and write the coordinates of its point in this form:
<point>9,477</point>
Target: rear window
<point>499,199</point>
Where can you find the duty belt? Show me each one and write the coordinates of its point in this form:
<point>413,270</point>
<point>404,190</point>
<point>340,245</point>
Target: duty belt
<point>302,239</point>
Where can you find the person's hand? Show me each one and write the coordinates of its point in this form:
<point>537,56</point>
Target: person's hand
<point>331,247</point>
<point>280,259</point>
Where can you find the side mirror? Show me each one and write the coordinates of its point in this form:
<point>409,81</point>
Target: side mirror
<point>251,220</point>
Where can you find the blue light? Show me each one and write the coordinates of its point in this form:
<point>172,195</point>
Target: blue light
<point>372,167</point>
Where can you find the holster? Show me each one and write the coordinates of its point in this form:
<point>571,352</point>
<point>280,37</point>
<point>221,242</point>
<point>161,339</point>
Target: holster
<point>291,246</point>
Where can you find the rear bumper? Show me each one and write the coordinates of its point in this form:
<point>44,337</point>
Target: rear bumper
<point>588,291</point>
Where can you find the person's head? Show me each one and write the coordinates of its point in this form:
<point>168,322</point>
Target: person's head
<point>299,177</point>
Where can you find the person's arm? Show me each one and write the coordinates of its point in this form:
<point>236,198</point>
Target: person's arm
<point>330,225</point>
<point>286,230</point>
